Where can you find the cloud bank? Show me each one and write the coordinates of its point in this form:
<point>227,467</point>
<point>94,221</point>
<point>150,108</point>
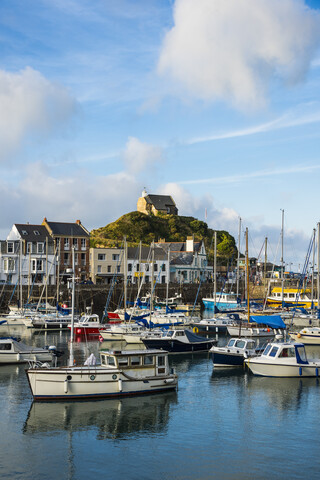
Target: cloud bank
<point>29,105</point>
<point>231,50</point>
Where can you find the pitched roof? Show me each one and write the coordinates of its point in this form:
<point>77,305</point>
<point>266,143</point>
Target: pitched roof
<point>177,246</point>
<point>133,254</point>
<point>67,229</point>
<point>160,202</point>
<point>32,233</point>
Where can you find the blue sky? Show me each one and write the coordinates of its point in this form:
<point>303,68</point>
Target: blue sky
<point>216,103</point>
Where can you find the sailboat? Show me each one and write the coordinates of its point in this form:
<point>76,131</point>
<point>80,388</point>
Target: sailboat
<point>120,373</point>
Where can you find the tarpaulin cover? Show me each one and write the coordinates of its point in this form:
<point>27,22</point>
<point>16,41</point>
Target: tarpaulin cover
<point>272,321</point>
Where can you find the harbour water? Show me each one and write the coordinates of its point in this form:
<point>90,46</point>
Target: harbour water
<point>220,424</point>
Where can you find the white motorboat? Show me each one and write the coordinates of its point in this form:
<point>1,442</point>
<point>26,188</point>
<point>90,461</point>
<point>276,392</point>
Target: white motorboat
<point>234,353</point>
<point>127,372</point>
<point>260,326</point>
<point>307,336</point>
<point>217,325</point>
<point>284,359</point>
<point>13,351</point>
<point>179,341</point>
<point>117,332</point>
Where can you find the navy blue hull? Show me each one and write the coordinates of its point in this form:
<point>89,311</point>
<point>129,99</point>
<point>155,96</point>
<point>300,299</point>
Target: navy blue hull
<point>174,346</point>
<point>234,360</point>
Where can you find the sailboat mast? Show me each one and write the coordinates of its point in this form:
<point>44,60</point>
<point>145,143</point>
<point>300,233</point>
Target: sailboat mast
<point>238,260</point>
<point>282,267</point>
<point>312,276</point>
<point>215,270</point>
<point>318,263</point>
<point>71,358</point>
<point>247,274</point>
<point>168,279</point>
<point>125,276</point>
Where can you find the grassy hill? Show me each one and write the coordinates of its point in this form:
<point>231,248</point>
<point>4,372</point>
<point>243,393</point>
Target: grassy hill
<point>137,226</point>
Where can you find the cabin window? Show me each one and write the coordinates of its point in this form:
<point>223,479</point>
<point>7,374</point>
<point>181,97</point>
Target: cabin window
<point>148,360</point>
<point>240,344</point>
<point>111,361</point>
<point>161,361</point>
<point>103,360</point>
<point>5,346</point>
<point>179,334</point>
<point>267,350</point>
<point>135,361</point>
<point>123,361</point>
<point>287,352</point>
<point>231,342</point>
<point>273,352</point>
<point>302,354</point>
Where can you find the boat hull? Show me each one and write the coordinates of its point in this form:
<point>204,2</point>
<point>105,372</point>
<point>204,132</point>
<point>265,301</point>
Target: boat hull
<point>174,346</point>
<point>306,339</point>
<point>251,332</point>
<point>285,370</point>
<point>223,359</point>
<point>82,383</point>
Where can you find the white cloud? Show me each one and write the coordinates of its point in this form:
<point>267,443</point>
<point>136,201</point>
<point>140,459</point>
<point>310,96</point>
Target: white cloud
<point>231,50</point>
<point>29,105</point>
<point>139,156</point>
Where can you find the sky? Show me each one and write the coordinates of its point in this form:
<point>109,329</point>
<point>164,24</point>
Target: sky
<point>214,102</point>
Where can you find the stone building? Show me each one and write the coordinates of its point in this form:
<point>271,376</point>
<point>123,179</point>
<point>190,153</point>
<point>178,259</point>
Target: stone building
<point>153,204</point>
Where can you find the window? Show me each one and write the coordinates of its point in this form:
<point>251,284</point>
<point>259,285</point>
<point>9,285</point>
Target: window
<point>40,247</point>
<point>266,350</point>
<point>83,259</point>
<point>9,264</point>
<point>101,256</point>
<point>115,256</point>
<point>24,232</point>
<point>161,361</point>
<point>99,269</point>
<point>118,268</point>
<point>163,279</point>
<point>129,267</point>
<point>302,354</point>
<point>109,268</point>
<point>5,346</point>
<point>37,265</point>
<point>163,267</point>
<point>155,267</point>
<point>10,247</point>
<point>111,361</point>
<point>146,267</point>
<point>147,278</point>
<point>29,247</point>
<point>273,352</point>
<point>75,243</point>
<point>83,244</point>
<point>135,360</point>
<point>36,232</point>
<point>66,243</point>
<point>66,258</point>
<point>122,361</point>
<point>148,360</point>
<point>138,267</point>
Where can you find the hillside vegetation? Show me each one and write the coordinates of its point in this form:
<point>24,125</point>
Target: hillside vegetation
<point>137,226</point>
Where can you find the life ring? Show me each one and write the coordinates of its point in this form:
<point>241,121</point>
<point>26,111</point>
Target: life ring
<point>195,330</point>
<point>299,335</point>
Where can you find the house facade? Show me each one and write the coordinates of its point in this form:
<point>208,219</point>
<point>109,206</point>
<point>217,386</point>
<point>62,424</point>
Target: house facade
<point>69,237</point>
<point>28,256</point>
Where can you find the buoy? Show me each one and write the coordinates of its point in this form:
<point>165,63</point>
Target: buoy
<point>299,335</point>
<point>195,329</point>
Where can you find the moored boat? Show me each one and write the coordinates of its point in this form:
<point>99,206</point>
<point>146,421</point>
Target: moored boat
<point>234,353</point>
<point>179,341</point>
<point>121,373</point>
<point>307,336</point>
<point>14,351</point>
<point>284,359</point>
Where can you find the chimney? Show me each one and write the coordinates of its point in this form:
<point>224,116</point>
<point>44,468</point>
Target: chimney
<point>190,244</point>
<point>78,222</point>
<point>45,220</point>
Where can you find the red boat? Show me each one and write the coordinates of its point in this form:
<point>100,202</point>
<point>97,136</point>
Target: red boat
<point>89,325</point>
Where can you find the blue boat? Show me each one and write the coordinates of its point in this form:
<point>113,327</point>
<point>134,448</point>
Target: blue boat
<point>224,301</point>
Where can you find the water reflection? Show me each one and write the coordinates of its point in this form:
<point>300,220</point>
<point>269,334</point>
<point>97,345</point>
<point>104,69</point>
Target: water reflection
<point>111,419</point>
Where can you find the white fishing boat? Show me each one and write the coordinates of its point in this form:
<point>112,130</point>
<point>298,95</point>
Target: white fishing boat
<point>119,373</point>
<point>117,332</point>
<point>127,372</point>
<point>260,326</point>
<point>307,336</point>
<point>14,351</point>
<point>284,359</point>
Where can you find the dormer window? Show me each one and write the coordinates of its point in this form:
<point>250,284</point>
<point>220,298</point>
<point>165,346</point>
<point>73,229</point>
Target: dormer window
<point>36,232</point>
<point>24,232</point>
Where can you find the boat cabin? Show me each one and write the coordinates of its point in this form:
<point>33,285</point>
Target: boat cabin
<point>241,344</point>
<point>137,363</point>
<point>285,351</point>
